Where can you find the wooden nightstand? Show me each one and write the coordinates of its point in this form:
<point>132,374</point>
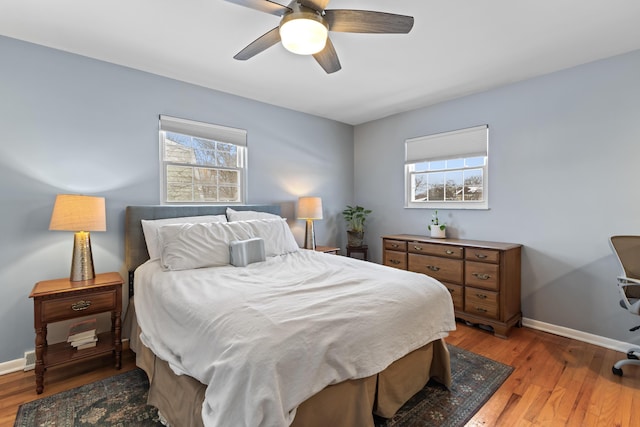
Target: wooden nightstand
<point>328,250</point>
<point>61,299</point>
<point>364,249</point>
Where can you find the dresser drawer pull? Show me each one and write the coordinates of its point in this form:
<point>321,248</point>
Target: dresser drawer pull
<point>480,256</point>
<point>449,252</point>
<point>433,268</point>
<point>481,310</point>
<point>417,248</point>
<point>395,245</point>
<point>80,305</point>
<point>482,276</point>
<point>481,296</point>
<point>394,261</point>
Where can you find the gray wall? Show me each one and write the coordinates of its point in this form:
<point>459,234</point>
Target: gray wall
<point>70,124</point>
<point>563,169</point>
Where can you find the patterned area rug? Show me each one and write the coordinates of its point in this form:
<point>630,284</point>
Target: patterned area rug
<point>474,380</point>
<point>121,400</point>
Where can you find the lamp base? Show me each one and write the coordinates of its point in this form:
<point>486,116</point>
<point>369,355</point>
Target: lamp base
<point>309,236</point>
<point>82,261</point>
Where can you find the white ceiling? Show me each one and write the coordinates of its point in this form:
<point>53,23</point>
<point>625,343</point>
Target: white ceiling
<point>456,47</point>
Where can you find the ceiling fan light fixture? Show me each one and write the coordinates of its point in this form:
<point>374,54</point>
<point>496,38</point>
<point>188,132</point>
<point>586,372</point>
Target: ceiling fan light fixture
<point>303,33</point>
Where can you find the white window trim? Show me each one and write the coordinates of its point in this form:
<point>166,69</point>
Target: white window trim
<point>468,142</point>
<point>207,131</point>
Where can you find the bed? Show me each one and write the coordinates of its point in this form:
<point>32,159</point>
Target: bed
<point>356,357</point>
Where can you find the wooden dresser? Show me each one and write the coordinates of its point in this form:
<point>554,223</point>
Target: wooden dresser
<point>483,277</point>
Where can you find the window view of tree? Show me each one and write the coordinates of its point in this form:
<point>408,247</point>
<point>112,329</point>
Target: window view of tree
<point>448,180</point>
<point>200,170</point>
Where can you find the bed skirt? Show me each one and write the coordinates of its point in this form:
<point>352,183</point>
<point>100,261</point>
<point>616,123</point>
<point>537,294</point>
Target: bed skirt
<point>347,404</point>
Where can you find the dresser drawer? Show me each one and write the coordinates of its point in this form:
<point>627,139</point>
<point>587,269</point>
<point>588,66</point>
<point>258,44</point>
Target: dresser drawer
<point>437,250</point>
<point>457,295</point>
<point>73,306</point>
<point>483,255</point>
<point>443,269</point>
<point>482,275</point>
<point>481,302</point>
<point>395,259</point>
<point>395,245</point>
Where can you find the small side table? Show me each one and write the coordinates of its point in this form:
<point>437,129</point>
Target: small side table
<point>364,250</point>
<point>328,250</point>
<point>61,299</point>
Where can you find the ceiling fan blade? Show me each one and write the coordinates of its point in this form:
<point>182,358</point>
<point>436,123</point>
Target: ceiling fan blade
<point>328,58</point>
<point>318,5</point>
<point>367,21</point>
<point>265,6</point>
<point>263,42</point>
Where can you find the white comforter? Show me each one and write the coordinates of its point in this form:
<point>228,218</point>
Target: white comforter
<point>266,337</point>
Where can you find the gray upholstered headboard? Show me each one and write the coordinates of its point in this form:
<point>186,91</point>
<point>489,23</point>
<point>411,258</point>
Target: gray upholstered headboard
<point>135,248</point>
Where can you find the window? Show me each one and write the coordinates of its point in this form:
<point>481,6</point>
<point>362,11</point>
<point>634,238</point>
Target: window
<point>448,170</point>
<point>201,162</point>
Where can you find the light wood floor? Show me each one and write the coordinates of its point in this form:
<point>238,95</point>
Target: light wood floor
<point>557,381</point>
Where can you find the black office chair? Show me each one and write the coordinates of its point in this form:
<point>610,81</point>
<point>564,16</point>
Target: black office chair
<point>627,249</point>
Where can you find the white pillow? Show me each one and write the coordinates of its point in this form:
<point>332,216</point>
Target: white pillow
<point>150,229</point>
<point>233,215</point>
<point>277,236</point>
<point>188,246</point>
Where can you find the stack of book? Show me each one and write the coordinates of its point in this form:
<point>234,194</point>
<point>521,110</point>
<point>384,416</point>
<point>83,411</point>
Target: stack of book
<point>83,334</point>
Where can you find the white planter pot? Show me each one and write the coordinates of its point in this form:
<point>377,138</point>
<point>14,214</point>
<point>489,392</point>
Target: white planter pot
<point>436,233</point>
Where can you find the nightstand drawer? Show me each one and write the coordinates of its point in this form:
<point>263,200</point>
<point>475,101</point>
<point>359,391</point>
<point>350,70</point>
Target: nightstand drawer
<point>80,305</point>
<point>481,302</point>
<point>437,250</point>
<point>443,269</point>
<point>482,275</point>
<point>395,259</point>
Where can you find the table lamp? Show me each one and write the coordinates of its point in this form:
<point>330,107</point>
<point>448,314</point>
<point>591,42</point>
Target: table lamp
<point>81,214</point>
<point>309,208</point>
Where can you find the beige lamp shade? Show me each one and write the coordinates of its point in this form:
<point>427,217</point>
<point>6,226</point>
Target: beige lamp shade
<point>81,214</point>
<point>73,212</point>
<point>309,208</point>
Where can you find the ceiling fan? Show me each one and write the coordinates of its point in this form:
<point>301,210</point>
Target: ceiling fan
<point>305,25</point>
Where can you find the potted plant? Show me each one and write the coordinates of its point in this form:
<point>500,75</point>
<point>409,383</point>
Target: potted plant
<point>438,229</point>
<point>355,217</point>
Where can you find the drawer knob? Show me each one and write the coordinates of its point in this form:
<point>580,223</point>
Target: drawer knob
<point>449,252</point>
<point>433,268</point>
<point>482,276</point>
<point>480,256</point>
<point>80,305</point>
<point>394,245</point>
<point>481,310</point>
<point>394,261</point>
<point>481,296</point>
<point>417,248</point>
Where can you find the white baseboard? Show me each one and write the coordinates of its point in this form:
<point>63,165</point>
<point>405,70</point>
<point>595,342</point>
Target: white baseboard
<point>19,364</point>
<point>12,366</point>
<point>578,335</point>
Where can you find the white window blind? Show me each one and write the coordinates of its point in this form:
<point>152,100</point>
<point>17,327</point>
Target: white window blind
<point>204,130</point>
<point>470,142</point>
